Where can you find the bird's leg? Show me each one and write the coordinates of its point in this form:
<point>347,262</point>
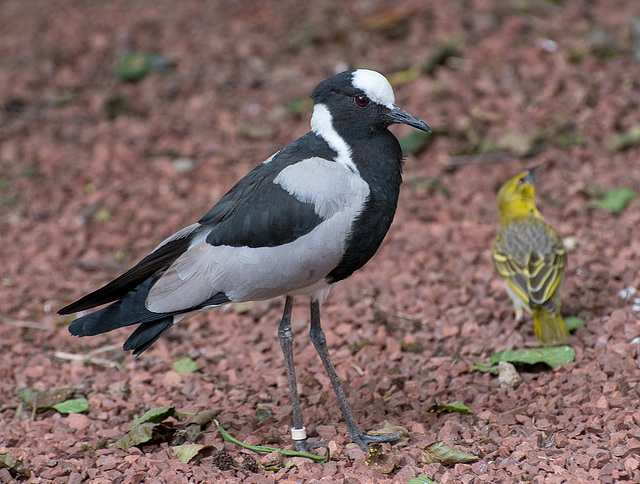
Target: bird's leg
<point>286,342</point>
<point>319,341</point>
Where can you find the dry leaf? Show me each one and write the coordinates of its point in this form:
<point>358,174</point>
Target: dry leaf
<point>378,460</point>
<point>444,454</point>
<point>387,428</point>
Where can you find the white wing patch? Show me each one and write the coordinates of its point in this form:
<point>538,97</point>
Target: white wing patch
<point>326,184</point>
<point>375,86</point>
<point>322,125</point>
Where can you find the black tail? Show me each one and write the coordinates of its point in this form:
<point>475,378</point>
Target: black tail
<point>131,310</point>
<point>128,311</point>
<point>156,262</point>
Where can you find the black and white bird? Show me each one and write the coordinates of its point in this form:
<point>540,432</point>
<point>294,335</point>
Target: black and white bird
<point>304,219</point>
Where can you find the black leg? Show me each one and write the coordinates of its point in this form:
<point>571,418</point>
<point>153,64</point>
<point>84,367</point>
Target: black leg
<point>286,342</point>
<point>319,341</point>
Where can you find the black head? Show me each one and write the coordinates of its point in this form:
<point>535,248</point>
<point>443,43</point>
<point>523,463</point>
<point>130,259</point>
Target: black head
<point>359,102</point>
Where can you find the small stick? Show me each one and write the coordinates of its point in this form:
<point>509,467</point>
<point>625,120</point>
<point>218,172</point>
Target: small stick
<point>24,324</point>
<point>88,357</point>
<point>396,313</point>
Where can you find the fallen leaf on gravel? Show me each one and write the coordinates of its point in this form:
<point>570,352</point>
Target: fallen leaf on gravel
<point>572,323</point>
<point>263,413</point>
<point>379,460</point>
<point>56,399</point>
<point>387,428</point>
<point>421,480</point>
<point>149,428</point>
<point>143,433</point>
<point>616,200</point>
<point>486,367</point>
<point>44,399</point>
<point>622,140</point>
<point>188,451</point>
<point>204,417</point>
<point>185,365</point>
<point>554,357</point>
<point>451,407</point>
<point>441,453</point>
<point>155,415</point>
<point>74,405</point>
<point>133,66</point>
<point>14,465</point>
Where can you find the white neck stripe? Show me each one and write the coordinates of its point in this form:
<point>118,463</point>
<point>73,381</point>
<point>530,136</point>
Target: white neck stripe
<point>322,125</point>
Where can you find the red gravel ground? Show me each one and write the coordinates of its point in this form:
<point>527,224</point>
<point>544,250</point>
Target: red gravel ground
<point>94,172</point>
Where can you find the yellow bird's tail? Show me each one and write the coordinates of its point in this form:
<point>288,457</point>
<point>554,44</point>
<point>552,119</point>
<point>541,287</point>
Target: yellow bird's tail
<point>550,329</point>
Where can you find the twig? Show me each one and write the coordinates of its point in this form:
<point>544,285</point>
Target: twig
<point>359,370</point>
<point>24,324</point>
<point>396,313</point>
<point>90,357</point>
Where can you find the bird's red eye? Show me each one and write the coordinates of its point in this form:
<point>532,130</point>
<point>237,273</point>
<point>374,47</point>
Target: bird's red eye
<point>361,101</point>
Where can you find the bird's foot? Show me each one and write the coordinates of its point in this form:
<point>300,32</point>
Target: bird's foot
<point>306,445</point>
<point>364,440</point>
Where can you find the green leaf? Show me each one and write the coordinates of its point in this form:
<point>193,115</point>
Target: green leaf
<point>75,405</point>
<point>139,435</point>
<point>155,415</point>
<point>263,413</point>
<point>185,365</point>
<point>102,214</point>
<point>421,480</point>
<point>15,466</point>
<point>486,368</point>
<point>44,400</point>
<point>616,200</point>
<point>188,451</point>
<point>415,142</point>
<point>554,357</point>
<point>439,452</point>
<point>457,407</point>
<point>572,323</point>
<point>133,66</point>
<point>624,140</point>
<point>263,448</point>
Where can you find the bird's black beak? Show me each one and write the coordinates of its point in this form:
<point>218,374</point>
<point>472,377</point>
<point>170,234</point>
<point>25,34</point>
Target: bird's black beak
<point>398,115</point>
<point>532,174</point>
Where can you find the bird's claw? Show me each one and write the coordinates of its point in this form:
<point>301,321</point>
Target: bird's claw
<point>364,440</point>
<point>306,445</point>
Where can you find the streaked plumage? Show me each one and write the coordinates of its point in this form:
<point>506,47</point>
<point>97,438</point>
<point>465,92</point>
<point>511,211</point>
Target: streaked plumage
<point>307,217</point>
<point>530,257</point>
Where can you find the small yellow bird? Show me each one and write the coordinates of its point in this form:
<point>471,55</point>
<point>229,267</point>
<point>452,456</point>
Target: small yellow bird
<point>529,255</point>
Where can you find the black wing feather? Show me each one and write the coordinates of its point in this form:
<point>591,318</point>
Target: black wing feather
<point>158,260</point>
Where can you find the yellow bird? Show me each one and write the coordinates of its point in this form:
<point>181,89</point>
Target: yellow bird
<point>530,257</point>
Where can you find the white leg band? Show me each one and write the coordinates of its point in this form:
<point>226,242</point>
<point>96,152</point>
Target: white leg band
<point>299,434</point>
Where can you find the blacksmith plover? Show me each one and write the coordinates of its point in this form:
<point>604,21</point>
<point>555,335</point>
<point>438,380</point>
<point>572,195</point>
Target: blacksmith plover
<point>307,217</point>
